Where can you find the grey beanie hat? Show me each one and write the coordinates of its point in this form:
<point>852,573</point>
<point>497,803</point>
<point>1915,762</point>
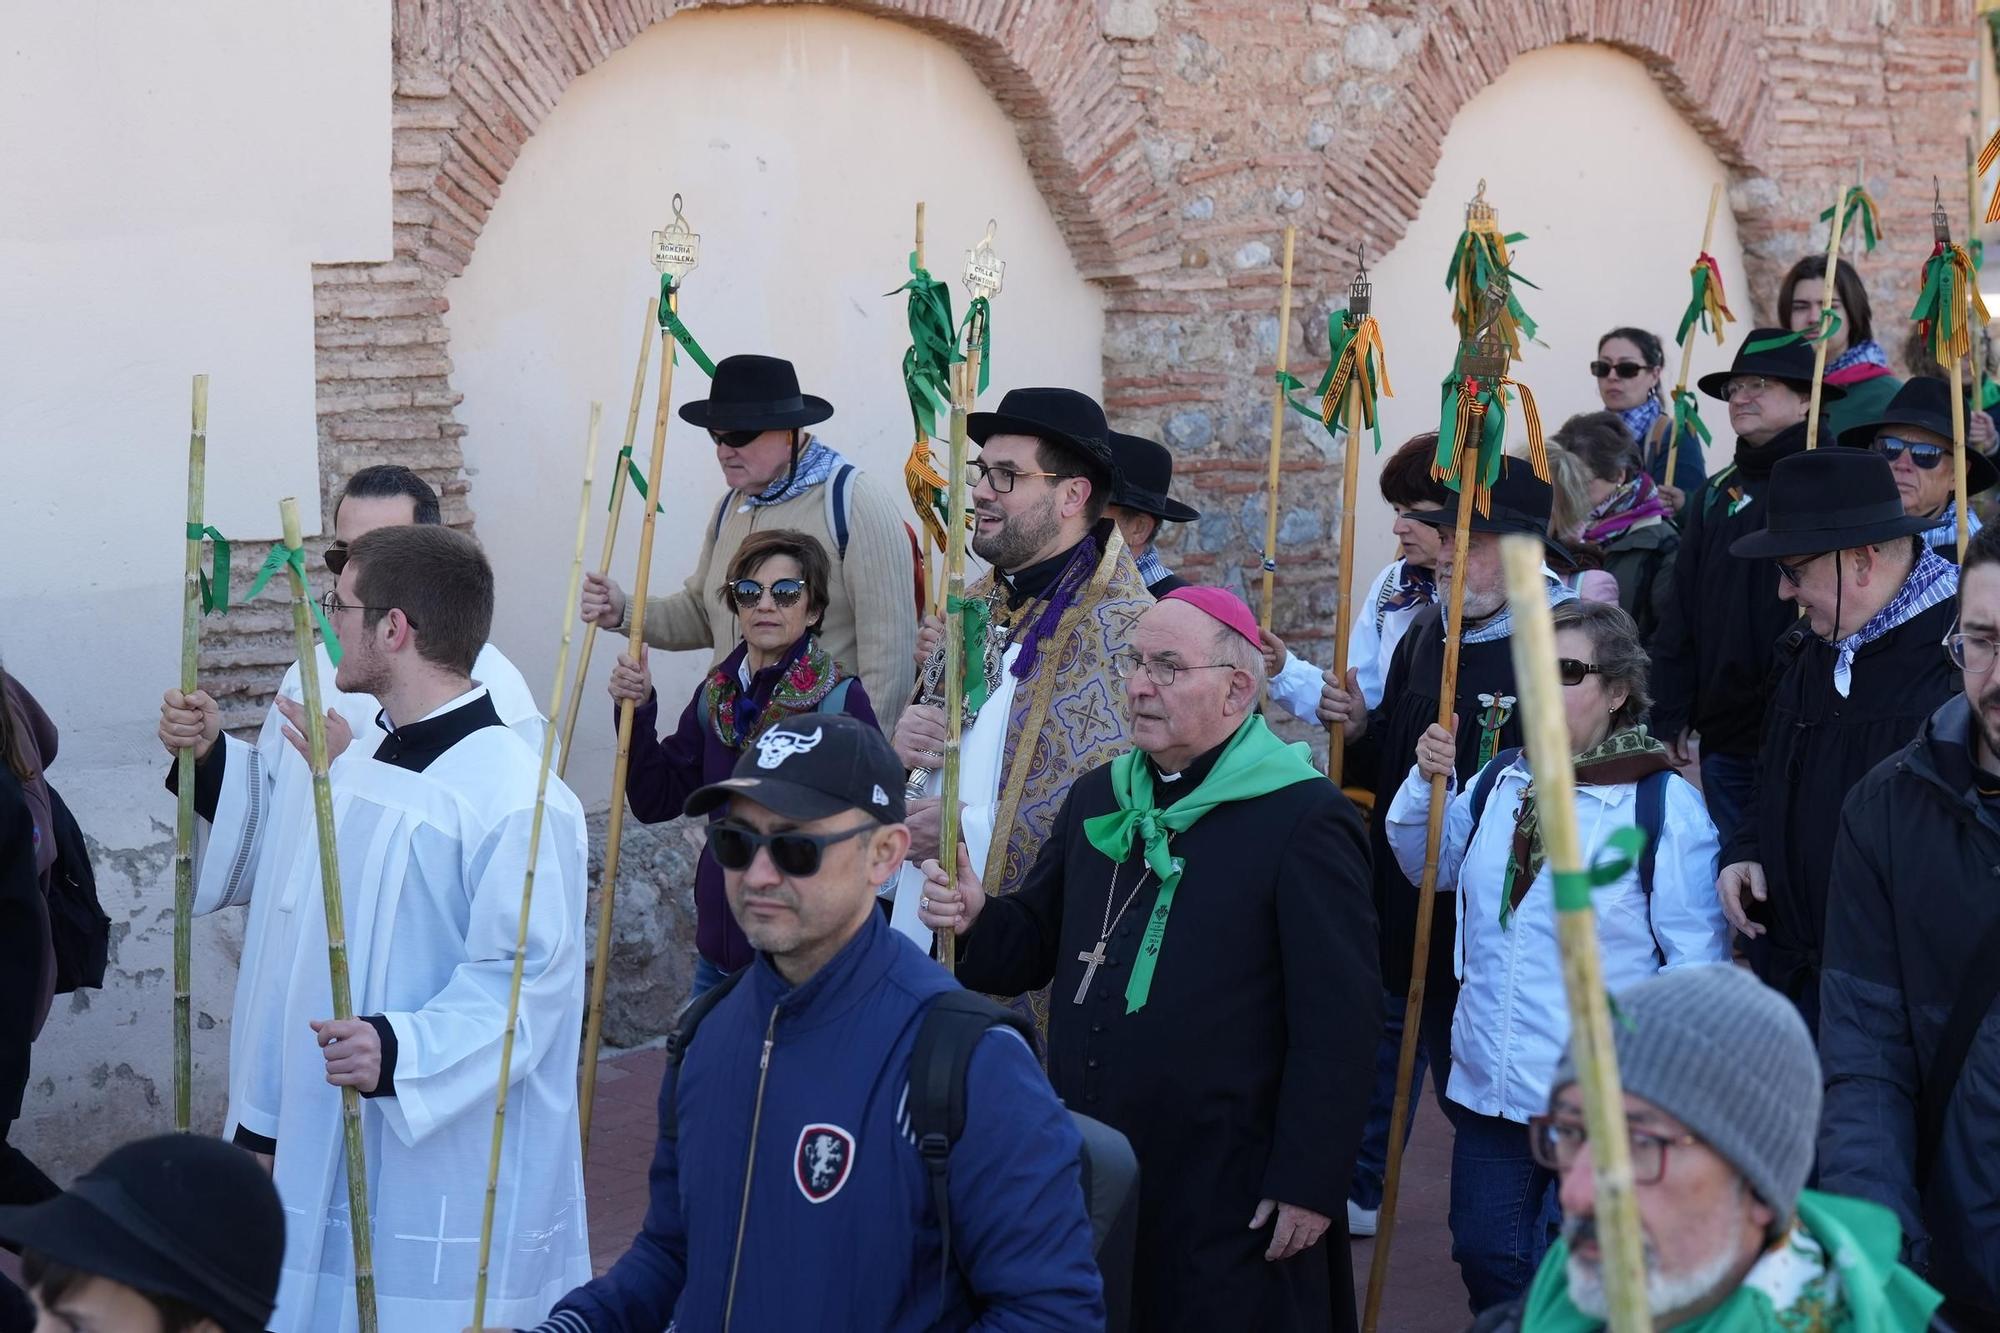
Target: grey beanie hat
<point>1731,1059</point>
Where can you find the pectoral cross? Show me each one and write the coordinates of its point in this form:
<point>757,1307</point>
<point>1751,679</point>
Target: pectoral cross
<point>1091,961</point>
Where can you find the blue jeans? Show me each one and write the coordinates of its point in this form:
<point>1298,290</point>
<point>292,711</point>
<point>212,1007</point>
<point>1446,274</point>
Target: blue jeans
<point>1728,781</point>
<point>1372,1162</point>
<point>1503,1207</point>
<point>707,976</point>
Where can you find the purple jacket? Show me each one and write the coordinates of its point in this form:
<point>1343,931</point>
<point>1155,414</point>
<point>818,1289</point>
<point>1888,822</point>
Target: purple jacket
<point>665,771</point>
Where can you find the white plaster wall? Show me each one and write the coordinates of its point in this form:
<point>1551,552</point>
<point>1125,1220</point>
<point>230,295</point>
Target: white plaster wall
<point>172,172</point>
<point>1582,151</point>
<point>801,140</point>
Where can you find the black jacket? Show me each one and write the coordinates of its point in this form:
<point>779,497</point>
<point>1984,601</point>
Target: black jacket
<point>1916,885</point>
<point>1712,653</point>
<point>1642,560</point>
<point>1817,746</point>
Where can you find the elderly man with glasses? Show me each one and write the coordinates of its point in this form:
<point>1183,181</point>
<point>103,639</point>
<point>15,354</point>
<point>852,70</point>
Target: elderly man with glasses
<point>1914,434</point>
<point>1912,935</point>
<point>1713,651</point>
<point>1722,1100</point>
<point>1876,602</point>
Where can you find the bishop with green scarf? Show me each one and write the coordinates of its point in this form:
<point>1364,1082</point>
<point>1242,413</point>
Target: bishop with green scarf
<point>1201,912</point>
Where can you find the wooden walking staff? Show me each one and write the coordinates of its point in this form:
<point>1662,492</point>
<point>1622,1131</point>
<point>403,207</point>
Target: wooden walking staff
<point>1277,433</point>
<point>1356,372</point>
<point>676,248</point>
<point>625,464</point>
<point>983,274</point>
<point>336,916</point>
<point>1946,311</point>
<point>1548,745</point>
<point>1974,244</point>
<point>1706,309</point>
<point>191,610</point>
<point>1829,319</point>
<point>528,882</point>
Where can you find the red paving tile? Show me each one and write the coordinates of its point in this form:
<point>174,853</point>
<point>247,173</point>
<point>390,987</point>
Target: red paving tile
<point>1423,1296</point>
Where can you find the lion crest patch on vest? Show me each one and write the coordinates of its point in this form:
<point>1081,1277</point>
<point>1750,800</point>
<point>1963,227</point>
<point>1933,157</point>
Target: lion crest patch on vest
<point>824,1160</point>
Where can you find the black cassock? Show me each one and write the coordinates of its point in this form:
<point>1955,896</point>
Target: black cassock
<point>1246,1074</point>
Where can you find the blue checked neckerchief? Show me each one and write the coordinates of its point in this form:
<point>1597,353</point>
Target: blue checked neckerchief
<point>1868,353</point>
<point>1946,532</point>
<point>1151,568</point>
<point>1502,623</point>
<point>1640,419</point>
<point>816,464</point>
<point>1932,579</point>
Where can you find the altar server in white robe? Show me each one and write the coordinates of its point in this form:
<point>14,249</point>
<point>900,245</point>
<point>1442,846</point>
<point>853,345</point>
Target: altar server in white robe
<point>255,800</point>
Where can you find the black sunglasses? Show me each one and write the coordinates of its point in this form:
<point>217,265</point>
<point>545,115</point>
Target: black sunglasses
<point>336,557</point>
<point>746,593</point>
<point>735,846</point>
<point>1924,454</point>
<point>735,439</point>
<point>1573,671</point>
<point>1624,370</point>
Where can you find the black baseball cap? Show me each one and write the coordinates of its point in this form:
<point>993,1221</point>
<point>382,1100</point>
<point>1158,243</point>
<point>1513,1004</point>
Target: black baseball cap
<point>811,766</point>
<point>180,1215</point>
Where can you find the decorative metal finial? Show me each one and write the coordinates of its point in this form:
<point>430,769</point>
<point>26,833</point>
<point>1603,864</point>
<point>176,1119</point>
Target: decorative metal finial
<point>1478,213</point>
<point>1940,220</point>
<point>676,247</point>
<point>1484,353</point>
<point>984,269</point>
<point>1360,292</point>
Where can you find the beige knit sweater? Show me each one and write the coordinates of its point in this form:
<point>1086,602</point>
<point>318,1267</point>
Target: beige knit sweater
<point>871,626</point>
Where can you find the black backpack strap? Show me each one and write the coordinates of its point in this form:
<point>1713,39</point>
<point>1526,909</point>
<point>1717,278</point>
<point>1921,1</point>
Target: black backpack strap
<point>1482,786</point>
<point>836,507</point>
<point>952,1027</point>
<point>1652,812</point>
<point>677,1042</point>
<point>1969,1008</point>
<point>721,516</point>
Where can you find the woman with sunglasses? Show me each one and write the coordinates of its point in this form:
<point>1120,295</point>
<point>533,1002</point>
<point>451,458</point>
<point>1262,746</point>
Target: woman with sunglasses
<point>1511,1019</point>
<point>777,589</point>
<point>1629,367</point>
<point>1914,433</point>
<point>1854,360</point>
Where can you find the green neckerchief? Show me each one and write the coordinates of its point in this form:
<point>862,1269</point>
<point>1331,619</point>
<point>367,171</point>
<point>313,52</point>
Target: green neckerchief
<point>1254,763</point>
<point>1623,756</point>
<point>1858,1239</point>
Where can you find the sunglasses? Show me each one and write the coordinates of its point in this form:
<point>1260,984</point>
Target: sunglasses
<point>735,439</point>
<point>1573,671</point>
<point>1624,370</point>
<point>797,854</point>
<point>1924,454</point>
<point>785,593</point>
<point>336,557</point>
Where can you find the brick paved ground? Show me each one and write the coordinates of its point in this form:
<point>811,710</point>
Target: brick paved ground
<point>1424,1294</point>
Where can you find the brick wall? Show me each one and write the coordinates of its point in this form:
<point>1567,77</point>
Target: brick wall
<point>1171,139</point>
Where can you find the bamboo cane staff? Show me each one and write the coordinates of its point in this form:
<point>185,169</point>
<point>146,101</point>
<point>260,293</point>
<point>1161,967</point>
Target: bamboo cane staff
<point>1357,371</point>
<point>927,382</point>
<point>336,916</point>
<point>1827,319</point>
<point>983,274</point>
<point>1548,745</point>
<point>1277,433</point>
<point>934,578</point>
<point>1973,243</point>
<point>1947,311</point>
<point>191,609</point>
<point>528,881</point>
<point>1707,278</point>
<point>625,464</point>
<point>675,250</point>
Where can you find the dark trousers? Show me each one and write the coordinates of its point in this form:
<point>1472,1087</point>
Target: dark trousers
<point>1503,1207</point>
<point>1434,1052</point>
<point>1727,783</point>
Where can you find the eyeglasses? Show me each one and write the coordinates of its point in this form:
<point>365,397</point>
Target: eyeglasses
<point>736,845</point>
<point>336,557</point>
<point>1792,574</point>
<point>1130,663</point>
<point>1554,1145</point>
<point>330,606</point>
<point>1923,453</point>
<point>1624,370</point>
<point>1750,385</point>
<point>1574,671</point>
<point>1971,652</point>
<point>746,593</point>
<point>735,439</point>
<point>1002,479</point>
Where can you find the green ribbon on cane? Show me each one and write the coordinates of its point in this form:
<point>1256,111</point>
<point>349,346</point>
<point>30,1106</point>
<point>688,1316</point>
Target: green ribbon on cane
<point>975,620</point>
<point>1619,857</point>
<point>215,592</point>
<point>1829,324</point>
<point>671,322</point>
<point>932,351</point>
<point>980,312</point>
<point>1687,416</point>
<point>638,479</point>
<point>295,556</point>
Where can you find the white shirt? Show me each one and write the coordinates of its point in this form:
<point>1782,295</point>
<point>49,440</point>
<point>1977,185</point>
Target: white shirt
<point>1371,643</point>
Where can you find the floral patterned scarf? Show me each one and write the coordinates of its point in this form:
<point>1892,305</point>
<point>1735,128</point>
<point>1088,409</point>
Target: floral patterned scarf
<point>798,683</point>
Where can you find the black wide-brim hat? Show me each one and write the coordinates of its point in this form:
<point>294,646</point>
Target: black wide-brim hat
<point>755,393</point>
<point>1793,363</point>
<point>1521,504</point>
<point>1828,500</point>
<point>1145,470</point>
<point>180,1215</point>
<point>1063,417</point>
<point>1924,402</point>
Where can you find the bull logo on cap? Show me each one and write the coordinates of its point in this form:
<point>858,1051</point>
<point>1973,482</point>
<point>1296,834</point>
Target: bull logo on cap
<point>774,747</point>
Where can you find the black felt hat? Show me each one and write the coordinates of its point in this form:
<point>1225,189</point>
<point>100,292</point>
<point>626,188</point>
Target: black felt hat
<point>755,393</point>
<point>1792,362</point>
<point>180,1215</point>
<point>1063,417</point>
<point>1924,402</point>
<point>1145,470</point>
<point>1828,500</point>
<point>1521,503</point>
